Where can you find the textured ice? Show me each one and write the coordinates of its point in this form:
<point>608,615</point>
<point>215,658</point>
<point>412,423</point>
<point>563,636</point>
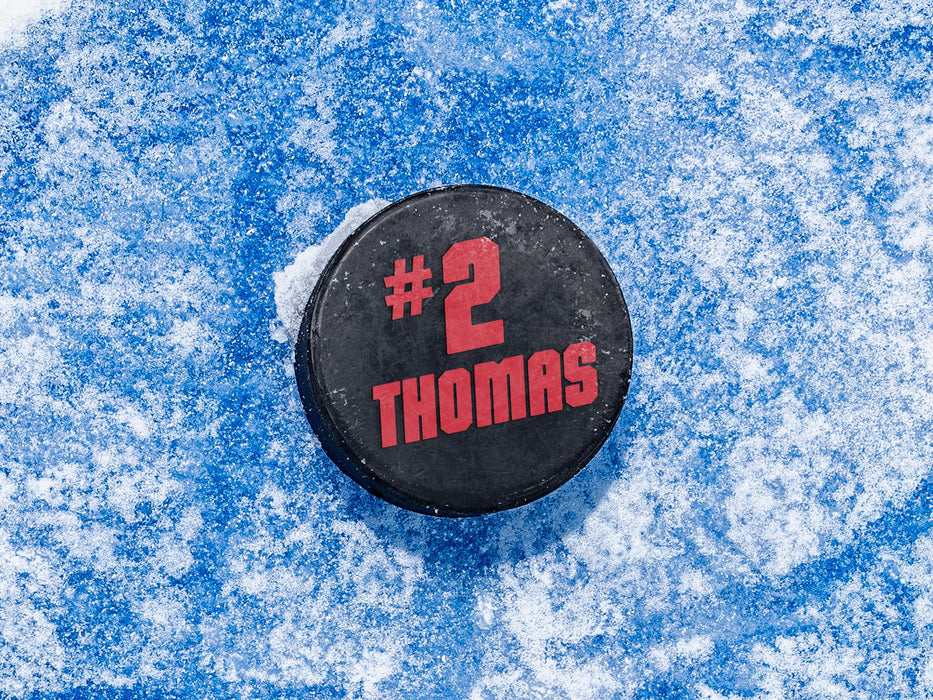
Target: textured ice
<point>759,175</point>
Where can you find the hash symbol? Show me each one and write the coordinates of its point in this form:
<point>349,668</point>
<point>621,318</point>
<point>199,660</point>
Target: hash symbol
<point>408,287</point>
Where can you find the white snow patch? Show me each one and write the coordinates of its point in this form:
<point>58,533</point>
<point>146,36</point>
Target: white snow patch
<point>16,15</point>
<point>294,284</point>
<point>314,632</point>
<point>135,421</point>
<point>684,651</point>
<point>26,363</point>
<point>186,337</point>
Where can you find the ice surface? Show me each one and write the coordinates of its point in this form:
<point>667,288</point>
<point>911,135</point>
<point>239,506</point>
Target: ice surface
<point>759,175</point>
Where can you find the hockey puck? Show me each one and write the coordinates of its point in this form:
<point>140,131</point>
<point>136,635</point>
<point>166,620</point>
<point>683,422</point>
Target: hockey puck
<point>466,350</point>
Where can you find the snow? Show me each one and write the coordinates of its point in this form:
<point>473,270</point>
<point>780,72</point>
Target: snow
<point>294,284</point>
<point>17,15</point>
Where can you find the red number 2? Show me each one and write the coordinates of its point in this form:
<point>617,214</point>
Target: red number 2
<point>483,256</point>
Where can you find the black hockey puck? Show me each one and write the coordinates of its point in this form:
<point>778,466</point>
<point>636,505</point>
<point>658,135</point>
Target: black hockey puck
<point>465,351</point>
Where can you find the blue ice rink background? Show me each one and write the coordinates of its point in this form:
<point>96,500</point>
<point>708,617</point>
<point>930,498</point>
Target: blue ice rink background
<point>760,176</point>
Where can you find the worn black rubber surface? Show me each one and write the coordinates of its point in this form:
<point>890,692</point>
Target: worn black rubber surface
<point>452,394</point>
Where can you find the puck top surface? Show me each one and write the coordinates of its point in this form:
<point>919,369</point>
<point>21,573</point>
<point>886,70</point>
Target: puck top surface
<point>466,350</point>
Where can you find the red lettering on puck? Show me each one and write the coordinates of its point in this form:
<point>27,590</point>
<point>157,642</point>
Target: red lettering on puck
<point>499,388</point>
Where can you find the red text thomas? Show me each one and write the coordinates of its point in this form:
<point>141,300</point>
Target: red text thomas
<point>500,389</point>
